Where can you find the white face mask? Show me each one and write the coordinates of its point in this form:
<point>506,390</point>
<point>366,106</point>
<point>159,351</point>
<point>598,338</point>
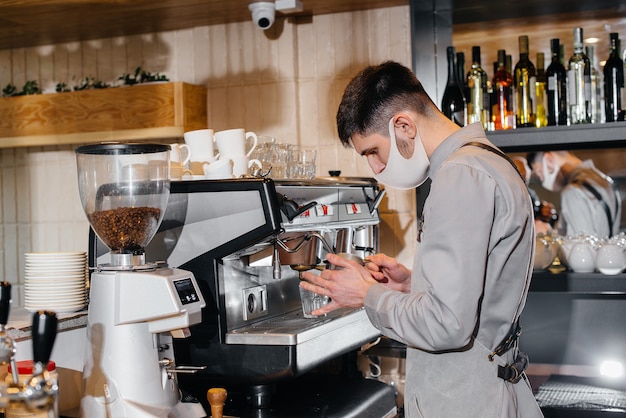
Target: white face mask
<point>549,178</point>
<point>401,173</point>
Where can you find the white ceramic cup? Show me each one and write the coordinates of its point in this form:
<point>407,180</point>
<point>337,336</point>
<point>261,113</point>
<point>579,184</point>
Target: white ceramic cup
<point>241,164</point>
<point>177,171</point>
<point>200,143</point>
<point>232,142</point>
<point>220,169</point>
<point>180,153</point>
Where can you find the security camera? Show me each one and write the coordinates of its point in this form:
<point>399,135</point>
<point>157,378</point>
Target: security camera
<point>263,14</point>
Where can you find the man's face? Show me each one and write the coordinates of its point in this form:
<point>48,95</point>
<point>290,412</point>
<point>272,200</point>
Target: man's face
<point>547,167</point>
<point>375,148</point>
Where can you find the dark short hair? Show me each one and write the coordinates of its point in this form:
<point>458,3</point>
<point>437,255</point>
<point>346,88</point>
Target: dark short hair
<point>532,157</point>
<point>375,95</point>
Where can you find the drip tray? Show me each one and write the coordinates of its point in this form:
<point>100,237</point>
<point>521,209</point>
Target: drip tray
<point>293,328</point>
<point>313,340</point>
<point>582,394</point>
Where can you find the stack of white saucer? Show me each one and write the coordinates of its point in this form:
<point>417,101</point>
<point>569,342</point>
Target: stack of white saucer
<point>55,281</point>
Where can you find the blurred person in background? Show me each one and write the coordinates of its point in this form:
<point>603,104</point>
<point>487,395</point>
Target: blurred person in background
<point>457,310</point>
<point>590,202</point>
<point>546,214</point>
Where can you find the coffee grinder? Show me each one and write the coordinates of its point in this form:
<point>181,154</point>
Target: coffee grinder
<point>135,307</point>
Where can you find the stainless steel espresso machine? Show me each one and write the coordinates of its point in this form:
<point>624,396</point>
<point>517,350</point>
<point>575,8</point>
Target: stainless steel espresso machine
<point>246,241</point>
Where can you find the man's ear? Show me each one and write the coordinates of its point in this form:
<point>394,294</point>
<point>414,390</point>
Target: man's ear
<point>406,125</point>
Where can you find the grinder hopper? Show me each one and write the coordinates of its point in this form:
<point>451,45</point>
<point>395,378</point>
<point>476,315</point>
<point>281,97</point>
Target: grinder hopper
<point>124,189</point>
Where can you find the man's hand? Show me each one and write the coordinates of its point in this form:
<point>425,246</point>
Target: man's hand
<point>346,286</point>
<point>387,271</point>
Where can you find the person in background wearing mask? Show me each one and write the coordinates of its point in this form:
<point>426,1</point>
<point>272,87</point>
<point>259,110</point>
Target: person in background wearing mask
<point>457,310</point>
<point>546,215</point>
<point>590,203</point>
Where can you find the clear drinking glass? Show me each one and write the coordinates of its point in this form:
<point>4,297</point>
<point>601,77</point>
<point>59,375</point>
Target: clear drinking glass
<point>303,163</point>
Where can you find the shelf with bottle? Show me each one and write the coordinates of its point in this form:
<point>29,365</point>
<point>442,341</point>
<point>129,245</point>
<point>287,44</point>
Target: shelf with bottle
<point>573,94</point>
<point>587,136</point>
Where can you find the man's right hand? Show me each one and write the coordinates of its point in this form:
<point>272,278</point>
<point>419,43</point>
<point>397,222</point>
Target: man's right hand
<point>389,272</point>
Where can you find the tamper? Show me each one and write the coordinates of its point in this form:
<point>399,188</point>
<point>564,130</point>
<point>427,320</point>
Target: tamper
<point>217,398</point>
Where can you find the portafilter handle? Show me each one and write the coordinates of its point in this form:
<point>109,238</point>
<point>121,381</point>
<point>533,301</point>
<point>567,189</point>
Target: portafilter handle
<point>5,302</point>
<point>44,332</point>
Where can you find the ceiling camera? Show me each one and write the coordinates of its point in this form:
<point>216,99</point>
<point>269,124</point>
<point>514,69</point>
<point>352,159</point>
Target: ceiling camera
<point>263,14</point>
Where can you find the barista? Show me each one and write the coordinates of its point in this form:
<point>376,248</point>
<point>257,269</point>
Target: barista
<point>590,203</point>
<point>546,215</point>
<point>457,308</point>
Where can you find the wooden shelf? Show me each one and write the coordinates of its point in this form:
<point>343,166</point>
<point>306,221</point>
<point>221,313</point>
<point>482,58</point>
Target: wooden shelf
<point>605,135</point>
<point>141,112</point>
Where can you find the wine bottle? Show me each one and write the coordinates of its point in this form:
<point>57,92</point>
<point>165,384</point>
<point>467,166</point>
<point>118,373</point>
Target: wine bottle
<point>460,73</point>
<point>503,114</point>
<point>525,78</point>
<point>453,103</point>
<point>613,82</point>
<point>579,82</point>
<point>596,86</point>
<point>541,117</point>
<point>478,103</point>
<point>557,86</point>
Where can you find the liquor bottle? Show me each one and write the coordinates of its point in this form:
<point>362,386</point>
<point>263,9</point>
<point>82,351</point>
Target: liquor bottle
<point>525,78</point>
<point>503,114</point>
<point>557,86</point>
<point>453,103</point>
<point>460,72</point>
<point>596,87</point>
<point>541,117</point>
<point>579,82</point>
<point>478,103</point>
<point>613,82</point>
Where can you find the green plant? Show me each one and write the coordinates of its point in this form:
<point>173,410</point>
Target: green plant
<point>62,88</point>
<point>141,76</point>
<point>30,87</point>
<point>9,90</point>
<point>90,83</point>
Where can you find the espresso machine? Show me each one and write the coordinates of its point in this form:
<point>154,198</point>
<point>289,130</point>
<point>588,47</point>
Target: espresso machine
<point>136,307</point>
<point>246,240</point>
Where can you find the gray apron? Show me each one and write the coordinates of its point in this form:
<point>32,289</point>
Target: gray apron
<point>465,385</point>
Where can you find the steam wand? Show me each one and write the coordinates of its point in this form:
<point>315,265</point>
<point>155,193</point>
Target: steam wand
<point>41,392</point>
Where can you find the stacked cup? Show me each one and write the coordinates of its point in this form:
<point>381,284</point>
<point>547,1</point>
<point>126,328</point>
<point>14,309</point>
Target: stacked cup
<point>179,158</point>
<point>55,281</point>
<point>201,149</point>
<point>232,146</point>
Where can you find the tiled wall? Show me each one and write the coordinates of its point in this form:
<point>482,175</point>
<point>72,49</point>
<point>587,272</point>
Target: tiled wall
<point>286,83</point>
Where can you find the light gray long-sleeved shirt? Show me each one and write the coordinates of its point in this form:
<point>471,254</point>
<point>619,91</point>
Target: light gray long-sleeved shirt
<point>469,283</point>
<point>581,211</point>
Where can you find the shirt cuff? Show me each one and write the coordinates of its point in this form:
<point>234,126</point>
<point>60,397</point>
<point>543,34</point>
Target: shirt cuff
<point>372,299</point>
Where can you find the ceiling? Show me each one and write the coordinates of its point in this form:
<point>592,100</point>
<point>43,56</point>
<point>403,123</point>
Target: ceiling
<point>25,23</point>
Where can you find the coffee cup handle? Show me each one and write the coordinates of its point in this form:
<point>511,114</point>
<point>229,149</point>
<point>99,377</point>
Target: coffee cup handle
<point>255,140</point>
<point>187,158</point>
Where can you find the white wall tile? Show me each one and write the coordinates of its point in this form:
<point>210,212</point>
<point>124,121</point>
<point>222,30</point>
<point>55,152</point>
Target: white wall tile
<point>185,69</point>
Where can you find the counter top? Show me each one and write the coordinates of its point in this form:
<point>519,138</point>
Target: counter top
<point>20,320</point>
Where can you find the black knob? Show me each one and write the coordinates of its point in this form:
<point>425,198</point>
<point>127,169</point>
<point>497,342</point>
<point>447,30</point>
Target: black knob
<point>44,332</point>
<point>5,302</point>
